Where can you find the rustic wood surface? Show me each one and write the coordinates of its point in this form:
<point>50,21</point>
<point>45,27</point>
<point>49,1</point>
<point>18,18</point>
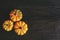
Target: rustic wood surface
<point>42,17</point>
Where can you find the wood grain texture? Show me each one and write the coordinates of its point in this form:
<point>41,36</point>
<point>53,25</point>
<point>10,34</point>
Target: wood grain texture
<point>42,17</point>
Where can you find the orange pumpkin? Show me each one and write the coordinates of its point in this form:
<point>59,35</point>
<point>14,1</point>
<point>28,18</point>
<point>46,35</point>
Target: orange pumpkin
<point>7,25</point>
<point>15,15</point>
<point>20,28</point>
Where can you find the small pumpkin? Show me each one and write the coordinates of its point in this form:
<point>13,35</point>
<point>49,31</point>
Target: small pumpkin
<point>15,15</point>
<point>7,25</point>
<point>20,28</point>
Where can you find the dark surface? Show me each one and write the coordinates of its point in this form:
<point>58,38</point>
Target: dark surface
<point>42,17</point>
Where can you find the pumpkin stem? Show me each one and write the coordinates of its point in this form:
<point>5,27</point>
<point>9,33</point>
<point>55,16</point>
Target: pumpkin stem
<point>15,12</point>
<point>20,27</point>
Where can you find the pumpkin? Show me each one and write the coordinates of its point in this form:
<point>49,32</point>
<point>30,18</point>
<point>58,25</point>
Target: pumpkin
<point>15,15</point>
<point>20,28</point>
<point>7,25</point>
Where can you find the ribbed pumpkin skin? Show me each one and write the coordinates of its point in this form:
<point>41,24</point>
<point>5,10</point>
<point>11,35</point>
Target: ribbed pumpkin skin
<point>7,25</point>
<point>15,15</point>
<point>20,28</point>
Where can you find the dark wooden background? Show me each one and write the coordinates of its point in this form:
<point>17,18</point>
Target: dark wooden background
<point>42,17</point>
